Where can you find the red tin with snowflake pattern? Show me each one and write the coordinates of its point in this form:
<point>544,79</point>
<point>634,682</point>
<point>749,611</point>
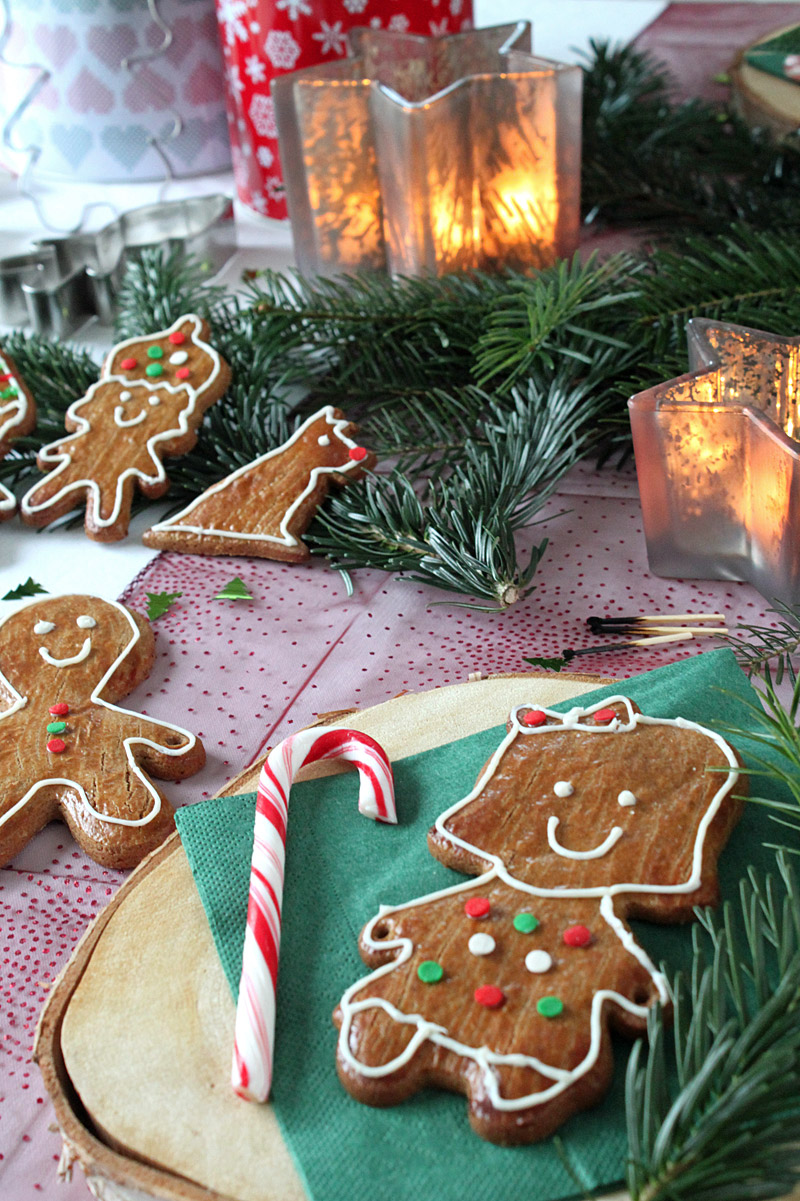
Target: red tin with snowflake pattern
<point>262,39</point>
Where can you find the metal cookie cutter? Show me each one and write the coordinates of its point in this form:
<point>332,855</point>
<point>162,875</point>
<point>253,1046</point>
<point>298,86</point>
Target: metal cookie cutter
<point>65,281</point>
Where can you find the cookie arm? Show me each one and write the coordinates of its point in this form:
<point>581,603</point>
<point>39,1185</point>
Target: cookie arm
<point>163,750</point>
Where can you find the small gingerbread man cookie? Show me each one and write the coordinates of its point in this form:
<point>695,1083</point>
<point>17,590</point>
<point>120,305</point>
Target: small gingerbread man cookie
<point>507,989</point>
<point>66,749</point>
<point>149,402</point>
<point>17,417</point>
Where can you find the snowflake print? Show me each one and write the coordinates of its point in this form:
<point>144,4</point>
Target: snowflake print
<point>262,114</point>
<point>294,8</point>
<point>331,38</point>
<point>399,23</point>
<point>375,23</point>
<point>455,7</point>
<point>355,6</point>
<point>265,156</point>
<point>281,50</point>
<point>275,188</point>
<point>259,201</point>
<point>254,69</point>
<point>438,28</point>
<point>231,14</point>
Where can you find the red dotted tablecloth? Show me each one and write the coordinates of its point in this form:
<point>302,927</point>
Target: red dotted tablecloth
<point>244,674</point>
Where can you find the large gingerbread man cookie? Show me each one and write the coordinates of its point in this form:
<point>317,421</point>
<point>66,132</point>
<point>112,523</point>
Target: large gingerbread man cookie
<point>67,750</point>
<point>507,988</point>
<point>149,402</point>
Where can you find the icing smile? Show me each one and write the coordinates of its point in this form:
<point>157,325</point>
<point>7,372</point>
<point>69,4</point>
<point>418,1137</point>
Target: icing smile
<point>119,418</point>
<point>595,853</point>
<point>71,660</point>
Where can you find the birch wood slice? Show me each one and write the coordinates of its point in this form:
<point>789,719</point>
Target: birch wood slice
<point>764,100</point>
<point>135,1040</point>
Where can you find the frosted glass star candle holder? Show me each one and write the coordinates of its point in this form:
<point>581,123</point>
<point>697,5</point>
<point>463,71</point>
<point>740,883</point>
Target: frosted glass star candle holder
<point>718,461</point>
<point>429,155</point>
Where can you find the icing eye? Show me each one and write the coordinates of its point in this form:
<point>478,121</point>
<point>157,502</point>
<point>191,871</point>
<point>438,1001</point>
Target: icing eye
<point>125,394</point>
<point>154,400</point>
<point>44,627</point>
<point>84,622</point>
<point>324,440</point>
<point>626,798</point>
<point>563,788</point>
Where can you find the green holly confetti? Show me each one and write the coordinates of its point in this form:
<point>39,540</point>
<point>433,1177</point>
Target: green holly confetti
<point>547,664</point>
<point>159,602</point>
<point>29,588</point>
<point>235,590</point>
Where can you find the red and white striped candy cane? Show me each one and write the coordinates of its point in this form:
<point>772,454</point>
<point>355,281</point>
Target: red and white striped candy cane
<point>251,1074</point>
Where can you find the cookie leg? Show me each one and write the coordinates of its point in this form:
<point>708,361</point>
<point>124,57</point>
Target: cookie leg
<point>24,811</point>
<point>118,816</point>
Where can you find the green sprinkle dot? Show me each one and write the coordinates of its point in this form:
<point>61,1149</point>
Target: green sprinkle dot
<point>154,369</point>
<point>550,1007</point>
<point>56,727</point>
<point>430,972</point>
<point>155,352</point>
<point>526,923</point>
<point>9,393</point>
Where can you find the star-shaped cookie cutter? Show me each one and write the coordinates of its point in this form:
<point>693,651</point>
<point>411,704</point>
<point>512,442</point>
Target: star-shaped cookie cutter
<point>59,285</point>
<point>718,461</point>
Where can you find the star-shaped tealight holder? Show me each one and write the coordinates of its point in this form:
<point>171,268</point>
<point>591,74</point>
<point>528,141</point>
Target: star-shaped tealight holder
<point>718,461</point>
<point>428,155</point>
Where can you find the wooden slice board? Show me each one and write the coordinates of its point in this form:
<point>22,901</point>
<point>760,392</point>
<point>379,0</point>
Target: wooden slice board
<point>135,1040</point>
<point>764,100</point>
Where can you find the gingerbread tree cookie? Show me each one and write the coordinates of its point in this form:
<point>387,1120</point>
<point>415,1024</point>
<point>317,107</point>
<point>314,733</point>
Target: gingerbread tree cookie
<point>148,403</point>
<point>17,417</point>
<point>264,507</point>
<point>66,748</point>
<point>507,989</point>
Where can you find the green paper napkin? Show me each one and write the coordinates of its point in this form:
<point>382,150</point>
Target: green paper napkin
<point>339,869</point>
<point>779,56</point>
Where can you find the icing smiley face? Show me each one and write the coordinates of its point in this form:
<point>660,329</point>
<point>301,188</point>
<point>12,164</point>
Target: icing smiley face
<point>83,622</point>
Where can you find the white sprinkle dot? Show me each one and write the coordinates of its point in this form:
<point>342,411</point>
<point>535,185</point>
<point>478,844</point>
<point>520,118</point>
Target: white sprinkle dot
<point>481,944</point>
<point>563,788</point>
<point>538,961</point>
<point>178,357</point>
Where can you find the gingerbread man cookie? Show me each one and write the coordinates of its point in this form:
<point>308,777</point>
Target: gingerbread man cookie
<point>507,989</point>
<point>262,508</point>
<point>149,402</point>
<point>17,417</point>
<point>66,749</point>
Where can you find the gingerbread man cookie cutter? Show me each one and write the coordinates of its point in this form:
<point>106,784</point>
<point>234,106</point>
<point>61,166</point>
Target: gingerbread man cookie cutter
<point>63,282</point>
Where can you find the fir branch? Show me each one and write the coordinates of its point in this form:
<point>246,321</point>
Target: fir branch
<point>158,287</point>
<point>713,1107</point>
<point>764,649</point>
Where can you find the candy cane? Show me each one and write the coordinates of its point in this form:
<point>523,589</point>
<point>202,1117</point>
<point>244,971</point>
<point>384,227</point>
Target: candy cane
<point>251,1073</point>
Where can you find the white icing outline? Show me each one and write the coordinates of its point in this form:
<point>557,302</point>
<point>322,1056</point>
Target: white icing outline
<point>174,524</point>
<point>13,412</point>
<point>484,1057</point>
<point>21,701</point>
<point>119,419</point>
<point>595,853</point>
<point>63,458</point>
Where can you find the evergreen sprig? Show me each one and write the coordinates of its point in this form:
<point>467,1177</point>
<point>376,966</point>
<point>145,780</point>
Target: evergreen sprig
<point>766,650</point>
<point>713,1106</point>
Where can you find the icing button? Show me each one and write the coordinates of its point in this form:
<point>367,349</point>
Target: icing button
<point>481,944</point>
<point>525,923</point>
<point>182,373</point>
<point>155,352</point>
<point>430,972</point>
<point>534,717</point>
<point>56,746</point>
<point>61,709</point>
<point>604,715</point>
<point>538,961</point>
<point>127,364</point>
<point>477,907</point>
<point>56,727</point>
<point>550,1007</point>
<point>489,996</point>
<point>154,369</point>
<point>577,936</point>
<point>177,338</point>
<point>357,453</point>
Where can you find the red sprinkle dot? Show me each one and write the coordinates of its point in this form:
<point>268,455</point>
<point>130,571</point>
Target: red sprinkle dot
<point>357,453</point>
<point>59,710</point>
<point>534,717</point>
<point>604,715</point>
<point>56,746</point>
<point>490,996</point>
<point>477,907</point>
<point>128,364</point>
<point>177,339</point>
<point>577,936</point>
<point>182,373</point>
<point>5,377</point>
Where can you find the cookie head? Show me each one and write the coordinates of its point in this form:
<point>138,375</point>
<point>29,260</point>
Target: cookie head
<point>601,800</point>
<point>178,357</point>
<point>65,645</point>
